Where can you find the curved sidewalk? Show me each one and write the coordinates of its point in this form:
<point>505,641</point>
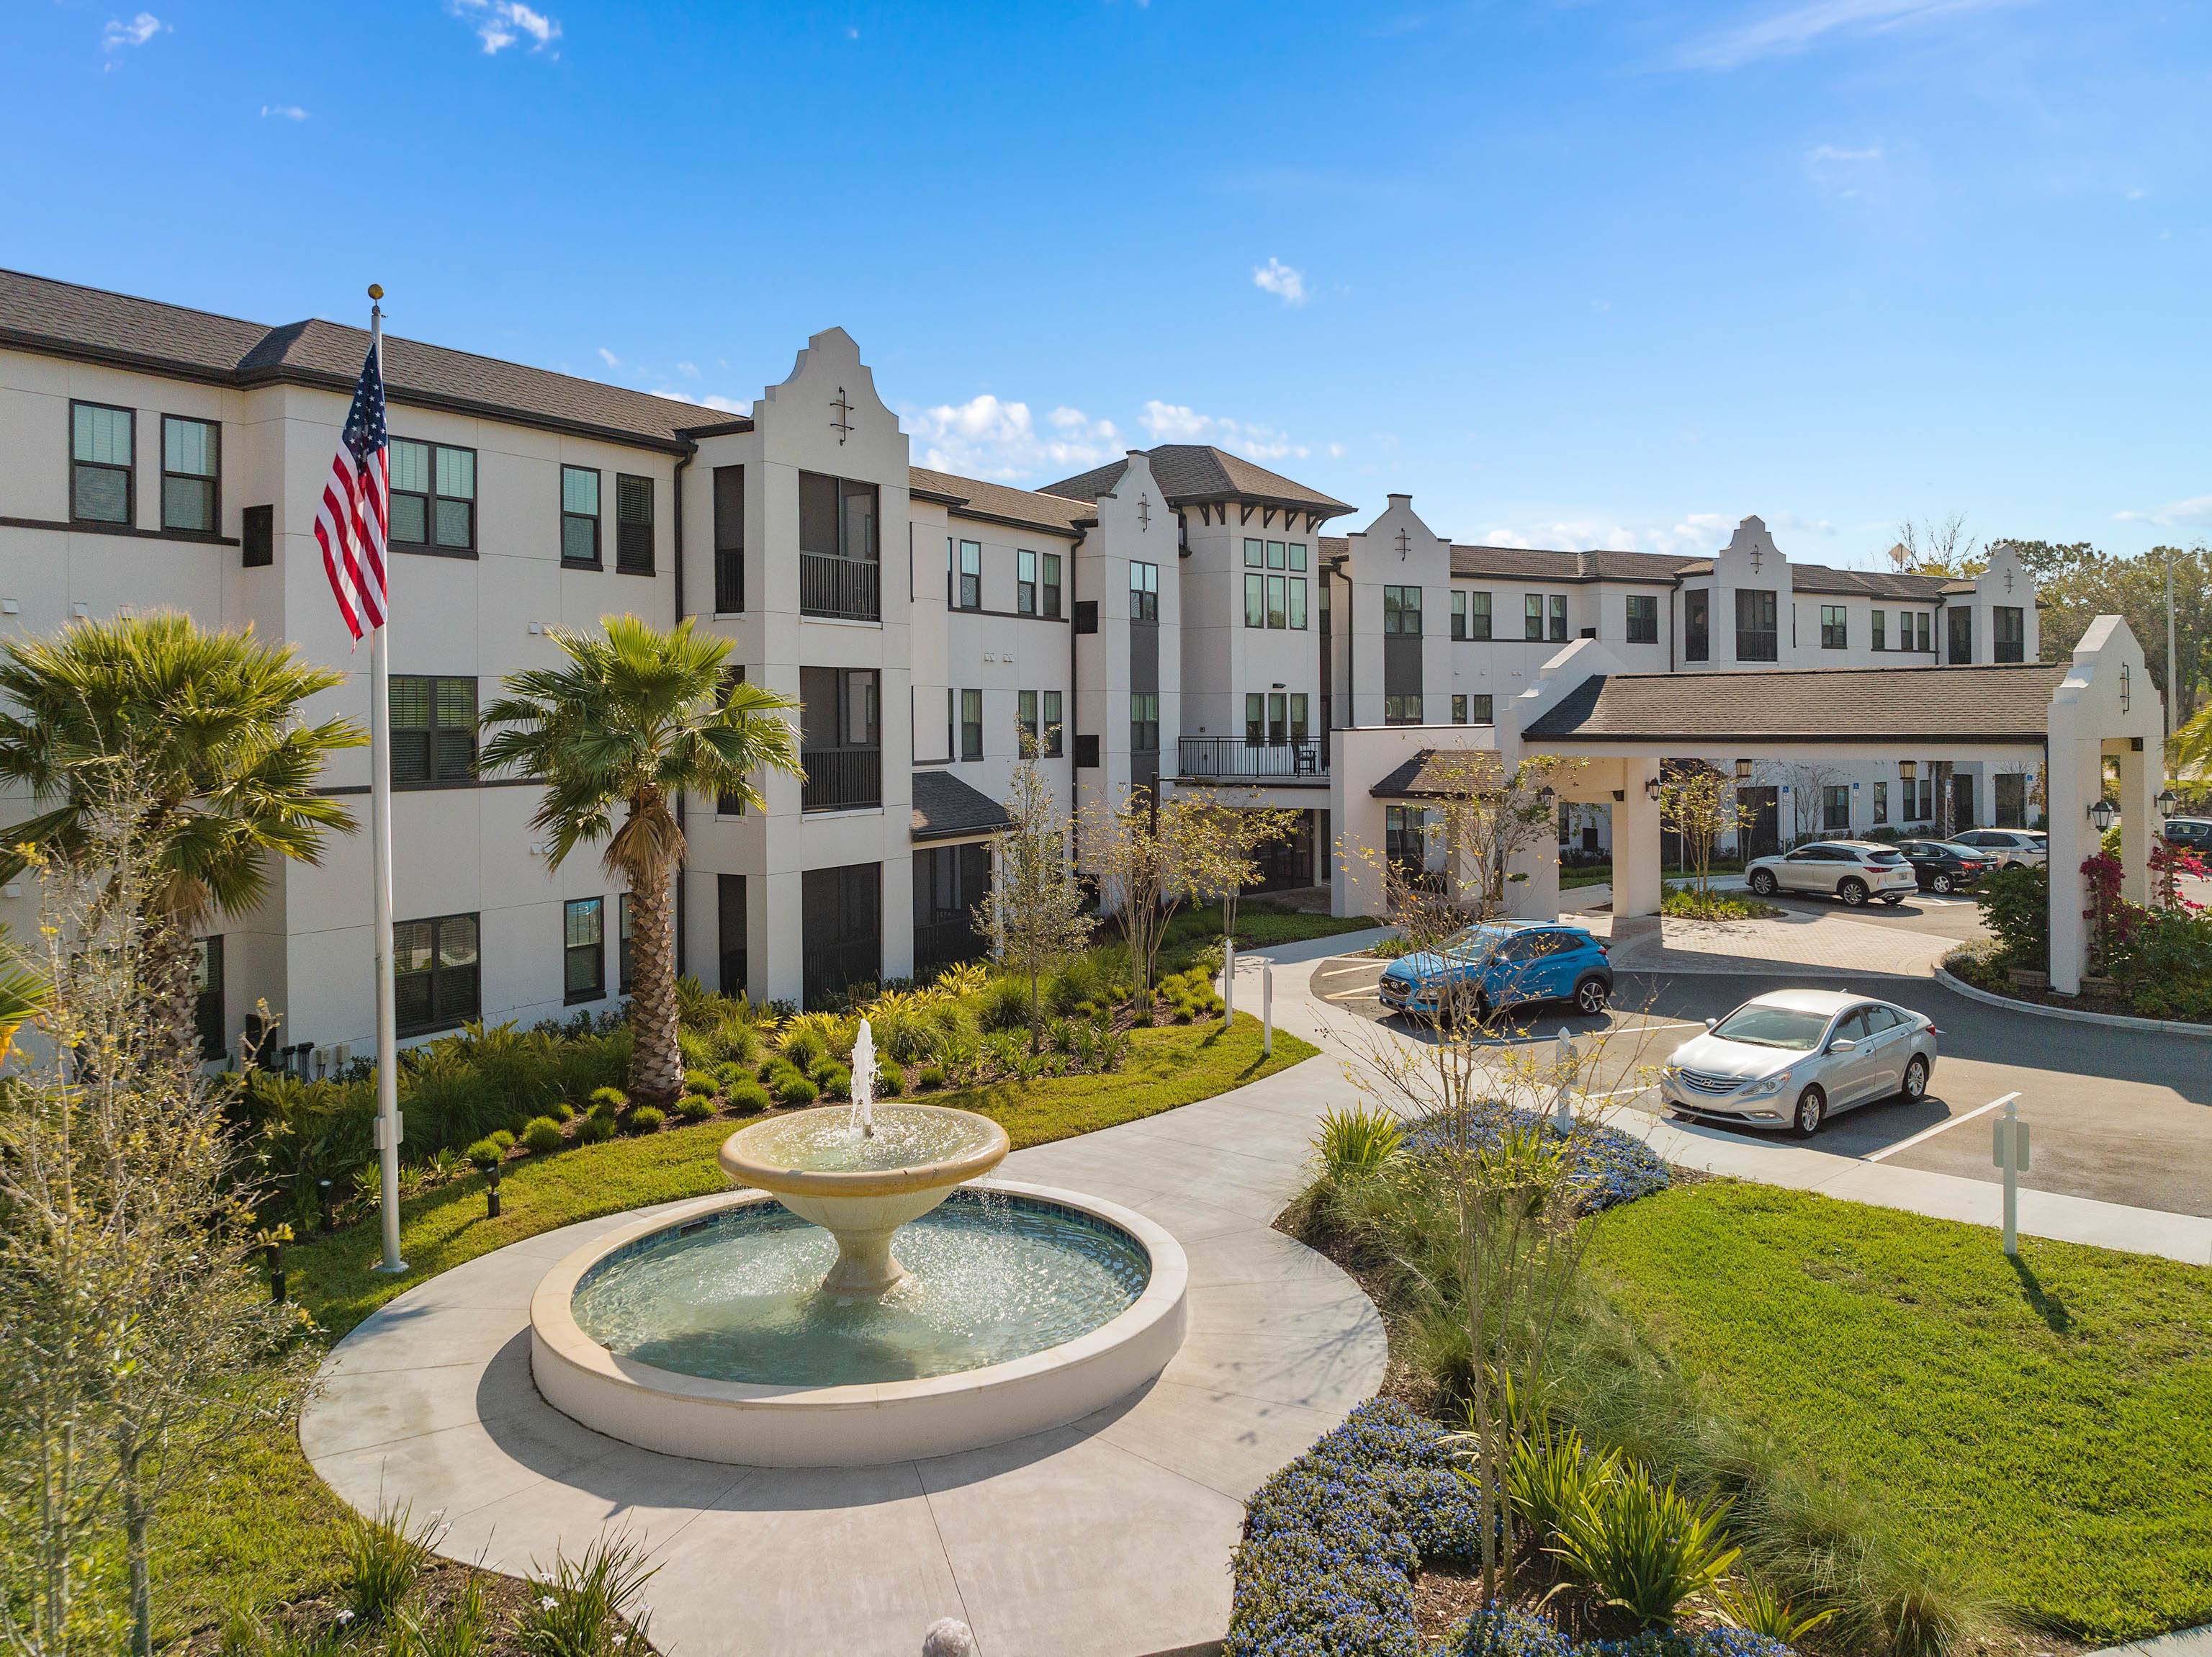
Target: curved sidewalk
<point>1110,1537</point>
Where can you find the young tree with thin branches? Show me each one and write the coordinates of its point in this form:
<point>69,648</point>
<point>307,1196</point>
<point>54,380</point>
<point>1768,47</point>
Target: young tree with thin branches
<point>1139,851</point>
<point>1702,805</point>
<point>637,719</point>
<point>1224,845</point>
<point>1033,914</point>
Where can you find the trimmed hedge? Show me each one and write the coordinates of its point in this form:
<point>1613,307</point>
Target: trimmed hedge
<point>1332,1542</point>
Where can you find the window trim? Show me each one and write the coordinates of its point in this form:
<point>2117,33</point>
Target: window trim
<point>968,725</point>
<point>130,519</point>
<point>624,564</point>
<point>1145,595</point>
<point>430,548</point>
<point>1647,633</point>
<point>432,777</point>
<point>1532,618</point>
<point>963,574</point>
<point>597,991</point>
<point>598,509</point>
<point>1556,611</point>
<point>1049,586</point>
<point>1835,627</point>
<point>1026,585</point>
<point>437,1022</point>
<point>729,554</point>
<point>212,478</point>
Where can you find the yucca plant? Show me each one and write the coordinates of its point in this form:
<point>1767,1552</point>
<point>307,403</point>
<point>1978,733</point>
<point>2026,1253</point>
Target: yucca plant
<point>579,1608</point>
<point>637,719</point>
<point>1757,1607</point>
<point>1552,1474</point>
<point>1644,1548</point>
<point>1357,1139</point>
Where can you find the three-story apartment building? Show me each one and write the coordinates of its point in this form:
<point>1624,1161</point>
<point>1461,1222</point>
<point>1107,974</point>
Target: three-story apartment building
<point>1175,617</point>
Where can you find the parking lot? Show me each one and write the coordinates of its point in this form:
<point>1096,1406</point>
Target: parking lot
<point>2122,1116</point>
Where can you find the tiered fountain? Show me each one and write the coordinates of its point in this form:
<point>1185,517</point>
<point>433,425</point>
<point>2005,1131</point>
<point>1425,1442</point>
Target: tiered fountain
<point>776,1326</point>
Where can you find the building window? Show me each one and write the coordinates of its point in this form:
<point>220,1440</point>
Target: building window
<point>1532,616</point>
<point>2009,799</point>
<point>968,591</point>
<point>1402,710</point>
<point>1255,554</point>
<point>1882,803</point>
<point>1025,718</point>
<point>1255,600</point>
<point>1049,740</point>
<point>1025,584</point>
<point>1405,836</point>
<point>1697,625</point>
<point>1478,615</point>
<point>207,996</point>
<point>2008,634</point>
<point>1037,712</point>
<point>434,496</point>
<point>1052,585</point>
<point>1924,640</point>
<point>1145,591</point>
<point>1459,613</point>
<point>1401,611</point>
<point>1643,618</point>
<point>1144,721</point>
<point>729,539</point>
<point>1459,710</point>
<point>434,729</point>
<point>434,973</point>
<point>103,449</point>
<point>1278,601</point>
<point>633,525</point>
<point>584,949</point>
<point>1878,630</point>
<point>622,944</point>
<point>1836,808</point>
<point>1835,628</point>
<point>1757,639</point>
<point>731,804</point>
<point>192,473</point>
<point>730,930</point>
<point>841,739</point>
<point>1297,603</point>
<point>971,724</point>
<point>1298,705</point>
<point>839,559</point>
<point>1481,709</point>
<point>580,516</point>
<point>1278,556</point>
<point>1297,557</point>
<point>1961,640</point>
<point>1558,603</point>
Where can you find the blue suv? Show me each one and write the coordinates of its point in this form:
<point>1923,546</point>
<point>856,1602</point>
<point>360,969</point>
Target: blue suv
<point>1500,964</point>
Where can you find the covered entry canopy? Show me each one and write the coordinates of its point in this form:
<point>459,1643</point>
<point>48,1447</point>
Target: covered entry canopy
<point>2073,715</point>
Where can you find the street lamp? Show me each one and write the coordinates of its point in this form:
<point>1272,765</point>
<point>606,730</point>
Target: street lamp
<point>2101,815</point>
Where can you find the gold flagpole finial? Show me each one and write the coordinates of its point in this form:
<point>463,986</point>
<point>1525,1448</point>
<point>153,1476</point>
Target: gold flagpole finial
<point>376,290</point>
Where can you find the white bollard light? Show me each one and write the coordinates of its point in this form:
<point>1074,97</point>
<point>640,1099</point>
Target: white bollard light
<point>948,1637</point>
<point>2010,1152</point>
<point>1563,1107</point>
<point>1228,982</point>
<point>1267,1010</point>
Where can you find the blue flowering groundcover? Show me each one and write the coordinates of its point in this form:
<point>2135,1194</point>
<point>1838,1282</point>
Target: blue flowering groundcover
<point>1332,1541</point>
<point>1612,1168</point>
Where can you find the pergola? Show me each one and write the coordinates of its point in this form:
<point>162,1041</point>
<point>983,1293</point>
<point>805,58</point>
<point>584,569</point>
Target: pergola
<point>2065,719</point>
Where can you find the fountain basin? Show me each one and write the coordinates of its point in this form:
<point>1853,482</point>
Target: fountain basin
<point>856,1423</point>
<point>862,1190</point>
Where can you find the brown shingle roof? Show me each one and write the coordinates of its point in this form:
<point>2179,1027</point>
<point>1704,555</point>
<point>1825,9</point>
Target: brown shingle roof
<point>1596,564</point>
<point>944,807</point>
<point>1199,471</point>
<point>1885,706</point>
<point>61,318</point>
<point>1002,502</point>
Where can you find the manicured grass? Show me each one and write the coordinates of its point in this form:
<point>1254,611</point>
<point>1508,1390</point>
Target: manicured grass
<point>2045,1420</point>
<point>1258,926</point>
<point>264,1528</point>
<point>1595,874</point>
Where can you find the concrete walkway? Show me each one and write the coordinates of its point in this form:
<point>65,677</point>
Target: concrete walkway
<point>1107,1538</point>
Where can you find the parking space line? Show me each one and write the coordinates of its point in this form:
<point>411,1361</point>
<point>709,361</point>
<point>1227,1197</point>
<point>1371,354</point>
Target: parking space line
<point>1944,1126</point>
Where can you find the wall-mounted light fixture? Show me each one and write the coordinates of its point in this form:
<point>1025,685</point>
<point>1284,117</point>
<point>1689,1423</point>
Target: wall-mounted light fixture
<point>1743,770</point>
<point>1651,790</point>
<point>2165,803</point>
<point>1620,795</point>
<point>2101,815</point>
<point>1907,770</point>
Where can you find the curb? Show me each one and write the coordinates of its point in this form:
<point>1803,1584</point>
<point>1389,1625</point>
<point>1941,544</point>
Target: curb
<point>2037,1010</point>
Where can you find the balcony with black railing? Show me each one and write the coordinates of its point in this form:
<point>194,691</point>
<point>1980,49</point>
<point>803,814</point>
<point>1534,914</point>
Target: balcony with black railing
<point>841,779</point>
<point>1239,759</point>
<point>848,589</point>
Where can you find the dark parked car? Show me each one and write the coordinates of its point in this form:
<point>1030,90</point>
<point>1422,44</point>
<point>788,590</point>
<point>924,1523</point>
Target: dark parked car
<point>1943,865</point>
<point>2193,833</point>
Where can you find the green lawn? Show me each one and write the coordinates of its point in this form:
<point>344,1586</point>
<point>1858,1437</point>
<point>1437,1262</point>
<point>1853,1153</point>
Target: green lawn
<point>264,1528</point>
<point>1259,925</point>
<point>2046,1420</point>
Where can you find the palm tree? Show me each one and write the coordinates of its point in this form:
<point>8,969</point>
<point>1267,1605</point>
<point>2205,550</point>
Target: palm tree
<point>635,719</point>
<point>197,735</point>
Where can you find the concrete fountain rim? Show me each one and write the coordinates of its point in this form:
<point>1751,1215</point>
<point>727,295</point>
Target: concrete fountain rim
<point>745,1171</point>
<point>748,1424</point>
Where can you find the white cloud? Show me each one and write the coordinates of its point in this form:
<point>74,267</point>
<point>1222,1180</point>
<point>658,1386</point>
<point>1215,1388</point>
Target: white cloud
<point>721,405</point>
<point>136,33</point>
<point>986,437</point>
<point>610,358</point>
<point>1178,422</point>
<point>1697,535</point>
<point>1279,279</point>
<point>503,23</point>
<point>1828,154</point>
<point>689,370</point>
<point>1797,28</point>
<point>2195,513</point>
<point>283,112</point>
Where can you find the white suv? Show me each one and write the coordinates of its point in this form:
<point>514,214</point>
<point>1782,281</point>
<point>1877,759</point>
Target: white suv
<point>2008,847</point>
<point>1854,870</point>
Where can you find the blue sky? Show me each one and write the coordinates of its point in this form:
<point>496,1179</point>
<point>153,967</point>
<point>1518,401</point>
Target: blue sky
<point>1610,273</point>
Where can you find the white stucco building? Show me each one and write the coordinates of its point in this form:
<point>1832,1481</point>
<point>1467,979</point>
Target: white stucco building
<point>1177,615</point>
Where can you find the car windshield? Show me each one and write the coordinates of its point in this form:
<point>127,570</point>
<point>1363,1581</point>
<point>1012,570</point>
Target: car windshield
<point>1759,1026</point>
<point>1882,857</point>
<point>1472,943</point>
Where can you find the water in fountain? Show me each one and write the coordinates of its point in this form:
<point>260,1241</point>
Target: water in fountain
<point>864,1081</point>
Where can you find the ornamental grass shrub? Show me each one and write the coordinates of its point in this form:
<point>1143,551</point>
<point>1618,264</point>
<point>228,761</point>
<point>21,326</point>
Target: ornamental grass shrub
<point>747,1098</point>
<point>694,1107</point>
<point>543,1135</point>
<point>646,1118</point>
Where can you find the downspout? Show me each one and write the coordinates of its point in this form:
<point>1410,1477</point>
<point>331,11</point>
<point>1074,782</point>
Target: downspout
<point>1671,592</point>
<point>682,801</point>
<point>1074,689</point>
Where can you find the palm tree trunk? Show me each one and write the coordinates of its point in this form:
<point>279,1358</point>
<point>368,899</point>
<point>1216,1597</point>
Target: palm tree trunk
<point>173,988</point>
<point>656,1060</point>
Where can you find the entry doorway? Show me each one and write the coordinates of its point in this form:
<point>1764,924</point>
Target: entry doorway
<point>1287,864</point>
<point>1760,831</point>
<point>1962,799</point>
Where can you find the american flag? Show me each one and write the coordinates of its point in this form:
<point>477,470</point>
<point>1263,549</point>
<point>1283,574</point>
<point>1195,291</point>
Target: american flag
<point>357,505</point>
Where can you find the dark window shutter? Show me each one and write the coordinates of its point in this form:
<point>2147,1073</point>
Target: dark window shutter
<point>1086,750</point>
<point>633,525</point>
<point>1086,621</point>
<point>257,535</point>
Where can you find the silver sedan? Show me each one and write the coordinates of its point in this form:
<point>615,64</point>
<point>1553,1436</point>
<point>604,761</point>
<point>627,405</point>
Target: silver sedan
<point>1791,1058</point>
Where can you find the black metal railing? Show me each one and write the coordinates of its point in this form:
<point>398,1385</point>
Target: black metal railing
<point>847,588</point>
<point>1234,756</point>
<point>729,580</point>
<point>841,779</point>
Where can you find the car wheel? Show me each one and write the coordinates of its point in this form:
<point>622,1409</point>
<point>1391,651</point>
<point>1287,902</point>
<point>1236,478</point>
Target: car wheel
<point>1853,892</point>
<point>1915,1079</point>
<point>1483,1009</point>
<point>1762,882</point>
<point>1812,1111</point>
<point>1942,883</point>
<point>1591,995</point>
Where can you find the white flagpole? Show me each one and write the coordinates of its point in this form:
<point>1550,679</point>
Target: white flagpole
<point>380,819</point>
